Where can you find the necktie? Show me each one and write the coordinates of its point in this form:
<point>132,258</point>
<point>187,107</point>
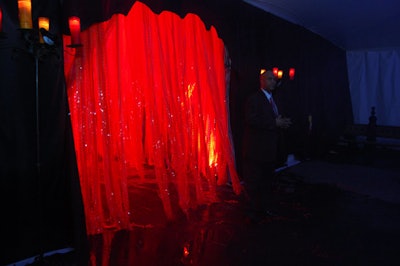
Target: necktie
<point>274,107</point>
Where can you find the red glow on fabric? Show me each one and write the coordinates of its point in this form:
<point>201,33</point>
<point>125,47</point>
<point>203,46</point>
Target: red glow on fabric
<point>148,91</point>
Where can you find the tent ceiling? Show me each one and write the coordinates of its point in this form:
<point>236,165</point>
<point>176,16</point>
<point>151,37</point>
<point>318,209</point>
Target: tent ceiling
<point>349,24</point>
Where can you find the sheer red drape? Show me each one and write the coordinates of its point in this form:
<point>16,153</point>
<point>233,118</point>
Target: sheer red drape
<point>147,94</point>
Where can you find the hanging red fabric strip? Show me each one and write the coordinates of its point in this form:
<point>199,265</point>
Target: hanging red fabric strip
<point>148,91</point>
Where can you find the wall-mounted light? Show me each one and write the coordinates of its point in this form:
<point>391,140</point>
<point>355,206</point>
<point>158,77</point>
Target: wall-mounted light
<point>280,74</point>
<point>25,14</point>
<point>1,19</point>
<point>275,71</point>
<point>75,29</point>
<point>2,34</point>
<point>291,73</point>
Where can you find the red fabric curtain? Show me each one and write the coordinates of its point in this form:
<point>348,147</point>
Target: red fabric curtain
<point>148,101</point>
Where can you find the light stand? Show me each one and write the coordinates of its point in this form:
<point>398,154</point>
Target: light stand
<point>38,44</point>
<point>38,51</point>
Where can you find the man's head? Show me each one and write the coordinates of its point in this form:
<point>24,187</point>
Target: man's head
<point>268,81</point>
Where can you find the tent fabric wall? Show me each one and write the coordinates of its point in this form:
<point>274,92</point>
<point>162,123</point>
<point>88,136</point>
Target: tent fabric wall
<point>374,78</point>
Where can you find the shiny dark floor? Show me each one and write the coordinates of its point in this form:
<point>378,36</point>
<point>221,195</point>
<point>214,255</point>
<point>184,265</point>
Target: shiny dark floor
<point>342,209</point>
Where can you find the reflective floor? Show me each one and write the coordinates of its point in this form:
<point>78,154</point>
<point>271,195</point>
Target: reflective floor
<point>335,211</point>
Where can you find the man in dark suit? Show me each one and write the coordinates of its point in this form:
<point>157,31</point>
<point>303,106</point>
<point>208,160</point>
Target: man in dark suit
<point>260,144</point>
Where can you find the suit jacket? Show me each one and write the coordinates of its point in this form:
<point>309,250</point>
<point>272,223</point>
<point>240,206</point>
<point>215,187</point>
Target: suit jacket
<point>261,133</point>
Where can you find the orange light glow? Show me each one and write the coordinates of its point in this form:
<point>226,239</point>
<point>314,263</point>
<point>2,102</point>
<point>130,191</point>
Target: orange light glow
<point>25,14</point>
<point>280,74</point>
<point>75,29</point>
<point>262,71</point>
<point>212,151</point>
<point>44,23</point>
<point>190,89</point>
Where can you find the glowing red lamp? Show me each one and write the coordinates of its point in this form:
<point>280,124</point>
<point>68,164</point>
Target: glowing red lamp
<point>1,19</point>
<point>275,71</point>
<point>291,73</point>
<point>75,29</point>
<point>2,34</point>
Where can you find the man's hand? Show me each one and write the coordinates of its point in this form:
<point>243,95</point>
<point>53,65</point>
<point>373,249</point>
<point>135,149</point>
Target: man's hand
<point>283,122</point>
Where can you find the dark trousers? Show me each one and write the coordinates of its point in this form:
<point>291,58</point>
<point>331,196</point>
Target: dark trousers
<point>259,179</point>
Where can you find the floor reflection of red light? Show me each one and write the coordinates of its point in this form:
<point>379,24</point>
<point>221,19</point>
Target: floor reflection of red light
<point>186,251</point>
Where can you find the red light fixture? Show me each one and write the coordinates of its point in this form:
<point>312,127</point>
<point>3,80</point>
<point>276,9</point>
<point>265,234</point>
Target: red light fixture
<point>75,29</point>
<point>275,71</point>
<point>291,73</point>
<point>1,18</point>
<point>2,34</point>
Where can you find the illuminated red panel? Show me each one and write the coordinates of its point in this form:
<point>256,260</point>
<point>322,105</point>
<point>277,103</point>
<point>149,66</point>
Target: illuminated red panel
<point>148,91</point>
